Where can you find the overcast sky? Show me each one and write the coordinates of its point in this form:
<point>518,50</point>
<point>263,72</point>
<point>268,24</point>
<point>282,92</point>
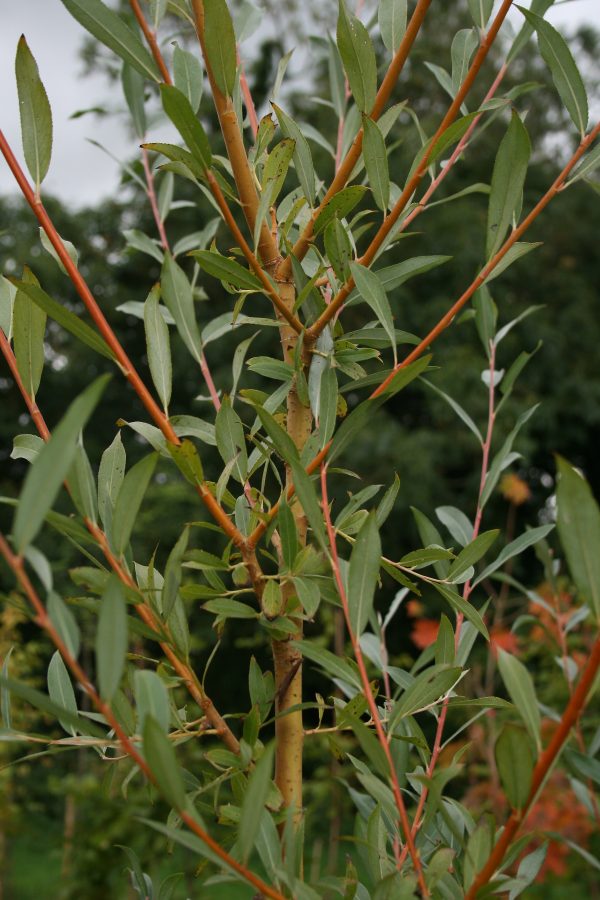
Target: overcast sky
<point>80,173</point>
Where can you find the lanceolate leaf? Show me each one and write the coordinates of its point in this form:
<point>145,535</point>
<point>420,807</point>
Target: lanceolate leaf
<point>158,346</point>
<point>36,116</point>
<point>470,554</point>
<point>227,270</point>
<point>253,805</point>
<point>107,27</point>
<point>519,685</point>
<point>231,442</point>
<point>29,327</point>
<point>527,539</point>
<point>133,89</point>
<point>376,163</point>
<point>363,574</point>
<point>178,108</point>
<point>371,290</point>
<point>565,73</point>
<point>61,690</point>
<point>65,623</point>
<point>302,155</point>
<point>130,499</point>
<point>188,76</point>
<point>579,529</point>
<point>111,638</point>
<point>508,178</point>
<point>110,477</point>
<point>160,756</point>
<point>219,39</point>
<point>392,22</point>
<point>50,468</point>
<point>177,294</point>
<point>515,764</point>
<point>358,57</point>
<point>426,689</point>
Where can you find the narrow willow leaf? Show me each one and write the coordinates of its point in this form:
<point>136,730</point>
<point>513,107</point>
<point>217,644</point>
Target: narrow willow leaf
<point>335,666</point>
<point>253,805</point>
<point>504,455</point>
<point>177,294</point>
<point>427,688</point>
<point>230,609</point>
<point>36,115</point>
<point>578,522</point>
<point>471,554</point>
<point>363,574</point>
<point>339,206</point>
<point>111,639</point>
<point>219,39</point>
<point>65,623</point>
<point>586,166</point>
<point>178,155</point>
<point>83,485</point>
<point>515,764</point>
<point>338,249</point>
<point>160,756</point>
<point>41,701</point>
<point>108,28</point>
<point>29,328</point>
<point>480,11</point>
<point>60,690</point>
<point>110,477</point>
<point>7,299</point>
<point>519,684</point>
<point>172,576</point>
<point>133,89</point>
<point>460,605</point>
<point>563,69</point>
<point>516,252</point>
<point>376,163</point>
<point>231,441</point>
<point>457,524</point>
<point>463,46</point>
<point>50,468</point>
<point>151,699</point>
<point>508,179</point>
<point>188,76</point>
<point>302,156</point>
<point>5,705</point>
<point>178,108</point>
<point>527,539</point>
<point>372,291</point>
<point>358,57</point>
<point>64,317</point>
<point>276,167</point>
<point>286,525</point>
<point>392,22</point>
<point>479,847</point>
<point>158,9</point>
<point>227,270</point>
<point>159,348</point>
<point>460,412</point>
<point>445,643</point>
<point>129,500</point>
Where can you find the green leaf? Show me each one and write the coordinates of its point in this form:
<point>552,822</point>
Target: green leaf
<point>459,604</point>
<point>108,28</point>
<point>286,525</point>
<point>478,850</point>
<point>503,456</point>
<point>64,621</point>
<point>372,291</point>
<point>376,163</point>
<point>50,468</point>
<point>133,89</point>
<point>255,796</point>
<point>471,554</point>
<point>36,115</point>
<point>160,756</point>
<point>427,688</point>
<point>340,205</point>
<point>151,699</point>
<point>519,684</point>
<point>219,40</point>
<point>275,169</point>
<point>588,164</point>
<point>460,412</point>
<point>45,704</point>
<point>392,22</point>
<point>508,179</point>
<point>463,45</point>
<point>515,764</point>
<point>110,477</point>
<point>158,347</point>
<point>29,327</point>
<point>481,10</point>
<point>565,73</point>
<point>521,248</point>
<point>5,705</point>
<point>178,108</point>
<point>302,155</point>
<point>111,639</point>
<point>177,294</point>
<point>445,643</point>
<point>188,76</point>
<point>335,666</point>
<point>82,485</point>
<point>7,299</point>
<point>231,441</point>
<point>129,500</point>
<point>358,57</point>
<point>227,270</point>
<point>172,576</point>
<point>363,574</point>
<point>179,155</point>
<point>64,317</point>
<point>61,690</point>
<point>578,520</point>
<point>230,609</point>
<point>527,539</point>
<point>338,249</point>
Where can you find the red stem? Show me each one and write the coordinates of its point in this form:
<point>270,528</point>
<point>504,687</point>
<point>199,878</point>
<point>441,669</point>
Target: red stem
<point>151,192</point>
<point>383,738</point>
<point>150,36</point>
<point>247,95</point>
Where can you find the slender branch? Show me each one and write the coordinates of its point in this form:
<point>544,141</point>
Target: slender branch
<point>381,735</point>
<point>345,169</point>
<point>183,670</point>
<point>247,95</point>
<point>43,620</point>
<point>544,764</point>
<point>390,220</point>
<point>555,188</point>
<point>256,267</point>
<point>86,295</point>
<point>150,36</point>
<point>151,192</point>
<point>236,151</point>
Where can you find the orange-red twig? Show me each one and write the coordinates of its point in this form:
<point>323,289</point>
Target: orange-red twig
<point>150,36</point>
<point>43,620</point>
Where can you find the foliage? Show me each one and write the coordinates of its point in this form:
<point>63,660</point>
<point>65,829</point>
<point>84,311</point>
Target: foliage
<point>246,546</point>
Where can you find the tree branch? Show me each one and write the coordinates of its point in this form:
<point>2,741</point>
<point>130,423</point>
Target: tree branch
<point>150,36</point>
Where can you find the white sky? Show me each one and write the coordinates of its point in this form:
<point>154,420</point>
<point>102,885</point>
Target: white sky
<point>80,173</point>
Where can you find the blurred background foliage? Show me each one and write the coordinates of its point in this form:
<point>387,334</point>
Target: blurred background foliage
<point>45,799</point>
